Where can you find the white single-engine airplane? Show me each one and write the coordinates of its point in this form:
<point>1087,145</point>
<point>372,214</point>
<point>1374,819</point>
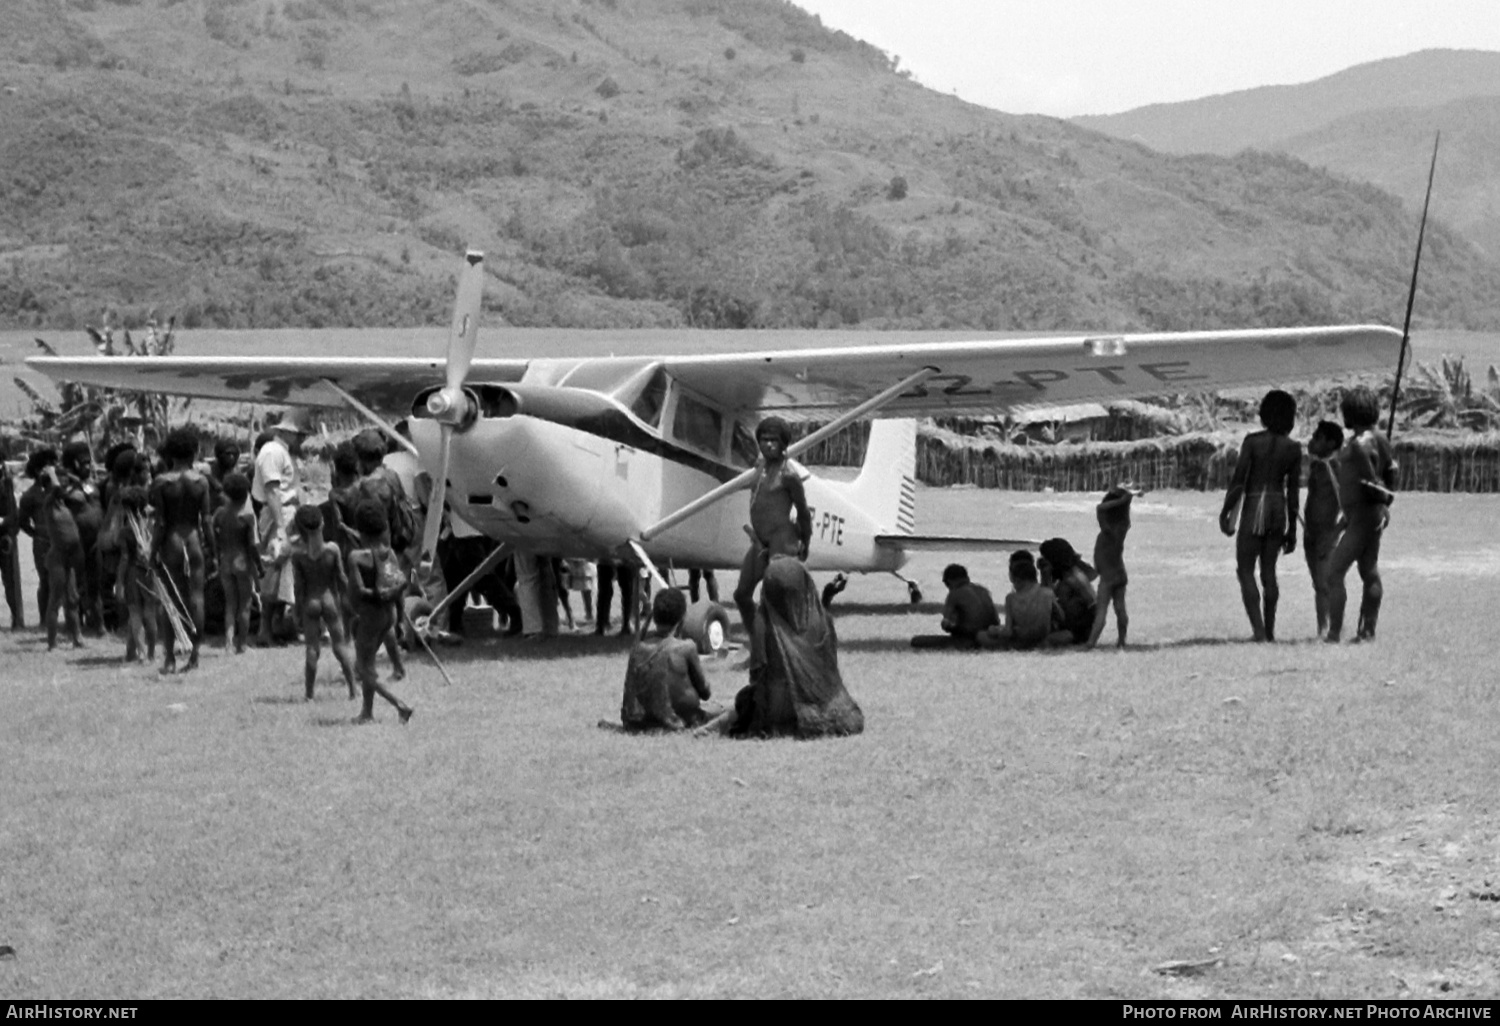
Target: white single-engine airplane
<point>638,457</point>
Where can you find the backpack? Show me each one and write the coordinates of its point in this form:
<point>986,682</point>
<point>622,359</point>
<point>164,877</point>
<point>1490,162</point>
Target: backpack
<point>385,488</point>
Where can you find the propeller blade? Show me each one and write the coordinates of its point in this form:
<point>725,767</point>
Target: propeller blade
<point>434,525</point>
<point>464,333</point>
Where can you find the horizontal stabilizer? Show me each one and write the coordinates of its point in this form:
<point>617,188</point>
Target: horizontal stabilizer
<point>950,542</point>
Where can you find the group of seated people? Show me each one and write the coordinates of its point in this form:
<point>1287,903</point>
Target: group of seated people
<point>795,687</point>
<point>1052,604</point>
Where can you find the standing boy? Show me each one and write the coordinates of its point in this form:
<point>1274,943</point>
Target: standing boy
<point>1366,479</point>
<point>1320,530</point>
<point>239,557</point>
<point>1109,560</point>
<point>775,495</point>
<point>321,582</point>
<point>142,610</point>
<point>1266,479</point>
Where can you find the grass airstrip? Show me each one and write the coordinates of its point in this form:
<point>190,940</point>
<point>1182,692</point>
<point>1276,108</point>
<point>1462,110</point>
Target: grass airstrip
<point>1295,820</point>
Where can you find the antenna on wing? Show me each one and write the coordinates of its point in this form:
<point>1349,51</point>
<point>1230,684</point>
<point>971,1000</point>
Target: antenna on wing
<point>1411,295</point>
<point>452,407</point>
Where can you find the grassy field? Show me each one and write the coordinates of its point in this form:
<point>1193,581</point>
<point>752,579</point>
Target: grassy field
<point>1323,820</point>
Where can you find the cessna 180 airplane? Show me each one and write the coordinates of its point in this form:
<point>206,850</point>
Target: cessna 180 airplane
<point>648,458</point>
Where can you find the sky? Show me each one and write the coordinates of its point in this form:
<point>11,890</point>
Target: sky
<point>1071,57</point>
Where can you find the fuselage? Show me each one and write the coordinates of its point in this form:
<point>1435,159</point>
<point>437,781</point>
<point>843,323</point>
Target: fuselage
<point>562,490</point>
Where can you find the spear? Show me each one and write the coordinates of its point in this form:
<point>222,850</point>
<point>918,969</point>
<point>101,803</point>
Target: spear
<point>1411,295</point>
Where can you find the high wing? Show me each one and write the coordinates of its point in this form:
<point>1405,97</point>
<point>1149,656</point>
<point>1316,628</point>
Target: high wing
<point>980,377</point>
<point>386,384</point>
<point>995,376</point>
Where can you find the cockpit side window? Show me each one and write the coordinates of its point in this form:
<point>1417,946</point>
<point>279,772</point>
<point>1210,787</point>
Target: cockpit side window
<point>743,452</point>
<point>697,424</point>
<point>648,404</point>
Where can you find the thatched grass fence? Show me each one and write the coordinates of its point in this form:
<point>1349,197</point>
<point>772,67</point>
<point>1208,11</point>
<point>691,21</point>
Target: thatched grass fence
<point>1456,462</point>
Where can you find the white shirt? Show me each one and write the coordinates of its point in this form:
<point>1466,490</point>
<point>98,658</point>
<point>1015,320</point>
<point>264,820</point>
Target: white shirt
<point>275,464</point>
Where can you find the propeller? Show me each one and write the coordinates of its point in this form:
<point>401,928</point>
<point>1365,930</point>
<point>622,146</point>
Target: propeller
<point>451,407</point>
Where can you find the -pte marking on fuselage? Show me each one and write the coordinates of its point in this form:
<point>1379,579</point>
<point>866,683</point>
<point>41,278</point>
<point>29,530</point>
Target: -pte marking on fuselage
<point>830,528</point>
<point>1167,372</point>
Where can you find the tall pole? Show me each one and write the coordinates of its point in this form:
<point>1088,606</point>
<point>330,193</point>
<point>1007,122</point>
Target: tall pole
<point>1411,295</point>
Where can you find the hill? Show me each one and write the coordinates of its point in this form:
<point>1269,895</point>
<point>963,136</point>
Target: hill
<point>1388,148</point>
<point>1262,117</point>
<point>716,163</point>
<point>1374,123</point>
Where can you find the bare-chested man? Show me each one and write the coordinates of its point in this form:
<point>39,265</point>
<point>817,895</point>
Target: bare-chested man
<point>1366,479</point>
<point>184,535</point>
<point>775,495</point>
<point>321,584</point>
<point>1267,479</point>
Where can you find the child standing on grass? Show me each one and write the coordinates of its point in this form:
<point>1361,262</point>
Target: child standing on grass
<point>664,682</point>
<point>239,557</point>
<point>1367,481</point>
<point>134,575</point>
<point>1320,530</point>
<point>1109,560</point>
<point>377,583</point>
<point>1267,477</point>
<point>320,581</point>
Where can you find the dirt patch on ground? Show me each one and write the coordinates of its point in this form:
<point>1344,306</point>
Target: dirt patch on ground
<point>1437,872</point>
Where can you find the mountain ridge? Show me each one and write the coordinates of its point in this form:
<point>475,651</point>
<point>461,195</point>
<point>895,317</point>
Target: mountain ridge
<point>647,163</point>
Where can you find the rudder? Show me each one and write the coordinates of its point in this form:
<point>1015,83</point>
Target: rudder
<point>886,487</point>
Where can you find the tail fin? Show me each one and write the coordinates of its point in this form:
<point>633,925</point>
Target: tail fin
<point>886,488</point>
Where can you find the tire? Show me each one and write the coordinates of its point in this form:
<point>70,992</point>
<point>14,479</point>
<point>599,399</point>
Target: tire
<point>416,608</point>
<point>706,625</point>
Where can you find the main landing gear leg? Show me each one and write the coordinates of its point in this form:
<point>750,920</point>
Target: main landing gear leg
<point>913,590</point>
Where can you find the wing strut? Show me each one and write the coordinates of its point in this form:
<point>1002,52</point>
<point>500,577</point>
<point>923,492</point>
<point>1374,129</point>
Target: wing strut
<point>490,562</point>
<point>373,417</point>
<point>735,484</point>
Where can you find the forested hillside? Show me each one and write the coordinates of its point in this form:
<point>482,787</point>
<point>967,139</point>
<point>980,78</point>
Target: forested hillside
<point>258,163</point>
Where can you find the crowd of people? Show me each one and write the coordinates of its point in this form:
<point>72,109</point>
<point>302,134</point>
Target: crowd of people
<point>140,549</point>
<point>1351,479</point>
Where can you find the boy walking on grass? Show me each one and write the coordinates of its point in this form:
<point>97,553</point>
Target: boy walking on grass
<point>321,582</point>
<point>377,583</point>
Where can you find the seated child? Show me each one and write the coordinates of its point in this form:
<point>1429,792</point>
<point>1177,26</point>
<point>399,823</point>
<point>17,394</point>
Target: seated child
<point>1070,578</point>
<point>968,612</point>
<point>377,582</point>
<point>664,682</point>
<point>320,582</point>
<point>1109,559</point>
<point>239,557</point>
<point>1033,619</point>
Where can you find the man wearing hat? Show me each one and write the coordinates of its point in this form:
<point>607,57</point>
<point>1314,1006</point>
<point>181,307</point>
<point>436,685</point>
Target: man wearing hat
<point>278,488</point>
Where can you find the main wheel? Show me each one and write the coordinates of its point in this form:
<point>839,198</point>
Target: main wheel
<point>914,592</point>
<point>707,626</point>
<point>417,609</point>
